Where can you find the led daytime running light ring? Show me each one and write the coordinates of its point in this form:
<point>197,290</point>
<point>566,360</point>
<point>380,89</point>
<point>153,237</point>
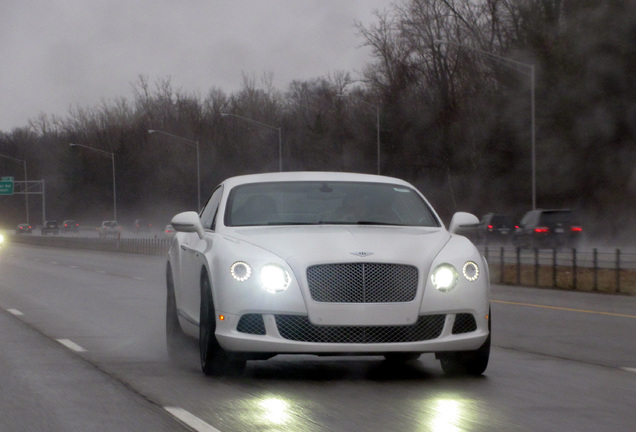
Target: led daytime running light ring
<point>241,271</point>
<point>470,271</point>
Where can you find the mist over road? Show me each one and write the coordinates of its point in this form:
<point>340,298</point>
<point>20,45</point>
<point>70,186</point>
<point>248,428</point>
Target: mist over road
<point>561,360</point>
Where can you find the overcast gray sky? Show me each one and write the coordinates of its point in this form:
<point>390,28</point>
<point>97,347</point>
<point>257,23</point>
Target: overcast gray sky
<point>59,54</point>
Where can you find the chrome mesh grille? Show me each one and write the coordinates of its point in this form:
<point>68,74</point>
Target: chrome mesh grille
<point>362,283</point>
<point>464,323</point>
<point>298,328</point>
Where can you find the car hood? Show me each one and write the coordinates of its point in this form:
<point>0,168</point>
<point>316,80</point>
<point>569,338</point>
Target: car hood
<point>309,245</point>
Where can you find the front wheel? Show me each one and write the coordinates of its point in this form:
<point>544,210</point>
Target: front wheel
<point>214,359</point>
<point>467,362</point>
<point>176,340</point>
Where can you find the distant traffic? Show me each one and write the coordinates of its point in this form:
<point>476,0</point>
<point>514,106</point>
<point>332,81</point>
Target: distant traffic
<point>141,228</point>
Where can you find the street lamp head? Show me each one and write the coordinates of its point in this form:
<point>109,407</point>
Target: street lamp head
<point>151,131</point>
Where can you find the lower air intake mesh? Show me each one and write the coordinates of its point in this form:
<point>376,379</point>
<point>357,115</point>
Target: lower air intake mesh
<point>464,323</point>
<point>251,324</point>
<point>298,328</point>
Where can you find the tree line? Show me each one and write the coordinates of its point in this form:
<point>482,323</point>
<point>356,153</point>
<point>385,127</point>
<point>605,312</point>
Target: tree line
<point>447,94</point>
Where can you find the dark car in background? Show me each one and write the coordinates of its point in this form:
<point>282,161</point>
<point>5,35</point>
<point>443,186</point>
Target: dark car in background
<point>495,228</point>
<point>50,227</point>
<point>548,229</point>
<point>23,228</point>
<point>70,226</point>
<point>142,225</point>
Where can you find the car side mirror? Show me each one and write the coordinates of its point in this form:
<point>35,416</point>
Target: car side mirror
<point>188,222</point>
<point>463,220</point>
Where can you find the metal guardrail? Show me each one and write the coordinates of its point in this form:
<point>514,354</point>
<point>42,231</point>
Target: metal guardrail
<point>597,269</point>
<point>145,246</point>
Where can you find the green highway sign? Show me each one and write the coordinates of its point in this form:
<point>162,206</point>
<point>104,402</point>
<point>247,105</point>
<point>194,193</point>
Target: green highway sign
<point>6,186</point>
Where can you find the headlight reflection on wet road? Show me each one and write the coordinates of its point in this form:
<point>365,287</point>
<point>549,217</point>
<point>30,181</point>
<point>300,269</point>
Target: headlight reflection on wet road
<point>453,414</point>
<point>447,416</point>
<point>274,410</point>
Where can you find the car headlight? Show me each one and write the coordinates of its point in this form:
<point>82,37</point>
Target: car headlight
<point>274,278</point>
<point>241,271</point>
<point>444,277</point>
<point>1,239</point>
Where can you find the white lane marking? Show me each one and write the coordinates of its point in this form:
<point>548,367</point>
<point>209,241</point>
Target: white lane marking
<point>15,312</point>
<point>71,345</point>
<point>73,266</point>
<point>101,271</point>
<point>191,420</point>
<point>139,278</point>
<point>633,370</point>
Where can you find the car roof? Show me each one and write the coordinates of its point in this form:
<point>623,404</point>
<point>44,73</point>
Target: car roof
<point>311,176</point>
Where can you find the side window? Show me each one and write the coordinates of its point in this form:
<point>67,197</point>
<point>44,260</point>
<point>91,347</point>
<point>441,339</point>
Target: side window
<point>526,220</point>
<point>208,214</point>
<point>536,218</point>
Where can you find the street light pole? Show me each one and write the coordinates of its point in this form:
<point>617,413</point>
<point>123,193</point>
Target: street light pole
<point>280,135</point>
<point>377,126</point>
<point>514,65</point>
<point>26,192</point>
<point>195,144</point>
<point>112,158</point>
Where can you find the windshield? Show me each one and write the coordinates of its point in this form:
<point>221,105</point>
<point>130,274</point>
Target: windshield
<point>501,221</point>
<point>557,217</point>
<point>312,203</point>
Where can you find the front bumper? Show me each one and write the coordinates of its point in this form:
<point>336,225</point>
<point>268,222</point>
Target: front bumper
<point>287,334</point>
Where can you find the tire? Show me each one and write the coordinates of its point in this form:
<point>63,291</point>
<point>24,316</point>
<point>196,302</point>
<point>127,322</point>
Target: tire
<point>177,342</point>
<point>214,360</point>
<point>467,362</point>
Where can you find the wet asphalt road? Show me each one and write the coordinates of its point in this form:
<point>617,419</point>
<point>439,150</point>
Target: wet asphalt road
<point>561,361</point>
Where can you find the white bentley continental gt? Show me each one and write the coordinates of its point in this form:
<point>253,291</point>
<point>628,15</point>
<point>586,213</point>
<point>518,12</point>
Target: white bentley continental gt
<point>325,263</point>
